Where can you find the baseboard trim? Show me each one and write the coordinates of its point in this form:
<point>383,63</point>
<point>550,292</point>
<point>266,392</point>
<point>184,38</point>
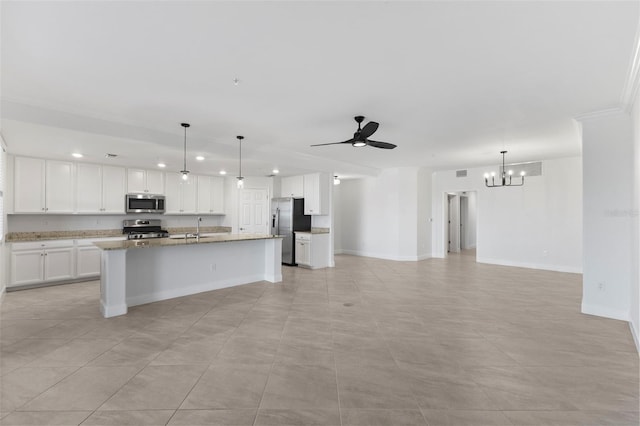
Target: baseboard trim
<point>385,256</point>
<point>605,312</point>
<point>555,268</point>
<point>50,283</point>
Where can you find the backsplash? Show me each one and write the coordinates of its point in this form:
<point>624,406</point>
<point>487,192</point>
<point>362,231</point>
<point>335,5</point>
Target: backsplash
<point>51,223</point>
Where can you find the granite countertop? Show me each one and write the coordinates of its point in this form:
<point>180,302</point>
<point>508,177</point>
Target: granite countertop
<point>169,242</point>
<point>314,231</point>
<point>62,235</point>
<point>100,233</point>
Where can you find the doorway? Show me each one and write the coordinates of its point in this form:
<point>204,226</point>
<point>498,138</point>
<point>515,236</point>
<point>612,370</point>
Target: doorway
<point>254,211</point>
<point>461,222</point>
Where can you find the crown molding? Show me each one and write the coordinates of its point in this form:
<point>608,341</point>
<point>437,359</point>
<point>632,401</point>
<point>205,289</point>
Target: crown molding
<point>607,112</point>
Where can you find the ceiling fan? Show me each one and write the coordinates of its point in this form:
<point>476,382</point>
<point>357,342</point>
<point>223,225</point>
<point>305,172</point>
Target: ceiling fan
<point>361,136</point>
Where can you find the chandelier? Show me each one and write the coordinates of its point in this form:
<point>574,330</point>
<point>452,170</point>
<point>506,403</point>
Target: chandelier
<point>506,177</point>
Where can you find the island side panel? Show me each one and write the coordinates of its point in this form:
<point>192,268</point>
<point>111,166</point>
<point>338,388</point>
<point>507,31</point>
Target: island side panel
<point>160,273</point>
<point>273,260</point>
<point>113,284</point>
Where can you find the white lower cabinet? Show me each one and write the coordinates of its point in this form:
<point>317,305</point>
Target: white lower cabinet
<point>55,261</point>
<point>303,249</point>
<point>87,261</point>
<point>36,262</point>
<point>312,250</point>
<point>27,267</point>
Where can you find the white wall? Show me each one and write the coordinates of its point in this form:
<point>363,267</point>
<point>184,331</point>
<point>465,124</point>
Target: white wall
<point>538,225</point>
<point>607,150</point>
<point>4,276</point>
<point>425,224</point>
<point>385,216</point>
<point>472,216</point>
<point>635,234</point>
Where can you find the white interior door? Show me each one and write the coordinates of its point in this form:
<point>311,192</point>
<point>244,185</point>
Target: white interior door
<point>254,211</point>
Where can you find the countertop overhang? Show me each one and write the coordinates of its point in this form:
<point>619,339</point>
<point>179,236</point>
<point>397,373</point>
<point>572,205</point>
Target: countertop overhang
<point>170,242</point>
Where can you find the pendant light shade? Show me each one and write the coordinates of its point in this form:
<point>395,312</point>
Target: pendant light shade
<point>240,177</point>
<point>336,180</point>
<point>184,171</point>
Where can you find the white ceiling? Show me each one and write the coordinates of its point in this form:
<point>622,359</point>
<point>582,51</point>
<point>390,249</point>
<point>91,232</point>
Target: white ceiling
<point>451,83</point>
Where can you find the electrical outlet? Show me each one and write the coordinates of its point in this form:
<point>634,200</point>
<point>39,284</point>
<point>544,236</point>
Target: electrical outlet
<point>601,286</point>
<point>545,253</point>
<point>213,267</point>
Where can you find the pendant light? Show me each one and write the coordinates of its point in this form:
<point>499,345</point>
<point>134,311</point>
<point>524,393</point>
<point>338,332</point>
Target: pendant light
<point>504,176</point>
<point>336,180</point>
<point>240,177</point>
<point>184,171</point>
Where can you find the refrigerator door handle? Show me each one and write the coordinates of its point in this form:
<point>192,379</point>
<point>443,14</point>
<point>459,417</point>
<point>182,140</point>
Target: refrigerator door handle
<point>276,219</point>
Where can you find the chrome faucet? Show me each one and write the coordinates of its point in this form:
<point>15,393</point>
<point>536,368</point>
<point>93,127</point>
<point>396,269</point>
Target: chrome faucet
<point>196,235</point>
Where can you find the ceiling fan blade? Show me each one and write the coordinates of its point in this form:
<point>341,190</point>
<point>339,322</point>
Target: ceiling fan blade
<point>333,143</point>
<point>383,145</point>
<point>369,129</point>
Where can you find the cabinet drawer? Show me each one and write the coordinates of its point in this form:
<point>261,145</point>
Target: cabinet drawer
<point>303,236</point>
<point>36,245</point>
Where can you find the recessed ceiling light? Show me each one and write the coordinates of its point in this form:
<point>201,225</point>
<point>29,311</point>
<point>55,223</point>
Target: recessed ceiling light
<point>222,172</point>
<point>275,171</point>
<point>200,158</point>
<point>162,165</point>
<point>77,155</point>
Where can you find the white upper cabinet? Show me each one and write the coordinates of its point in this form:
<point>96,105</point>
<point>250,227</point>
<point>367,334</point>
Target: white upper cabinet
<point>89,188</point>
<point>43,186</point>
<point>100,189</point>
<point>147,181</point>
<point>114,188</point>
<point>181,195</point>
<point>292,186</point>
<point>28,178</point>
<point>59,194</point>
<point>316,194</point>
<point>210,195</point>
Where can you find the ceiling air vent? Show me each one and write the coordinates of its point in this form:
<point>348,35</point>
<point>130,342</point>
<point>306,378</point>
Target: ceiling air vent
<point>533,168</point>
<point>461,173</point>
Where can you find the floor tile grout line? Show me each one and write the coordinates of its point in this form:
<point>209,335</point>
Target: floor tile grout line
<point>273,362</point>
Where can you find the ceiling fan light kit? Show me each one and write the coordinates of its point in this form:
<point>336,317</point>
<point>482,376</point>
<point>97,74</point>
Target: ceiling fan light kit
<point>361,136</point>
<point>506,177</point>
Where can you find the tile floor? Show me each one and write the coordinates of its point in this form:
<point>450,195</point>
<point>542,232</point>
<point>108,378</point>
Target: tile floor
<point>369,342</point>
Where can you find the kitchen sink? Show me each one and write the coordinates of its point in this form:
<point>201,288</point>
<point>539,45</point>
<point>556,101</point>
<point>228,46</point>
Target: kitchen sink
<point>192,236</point>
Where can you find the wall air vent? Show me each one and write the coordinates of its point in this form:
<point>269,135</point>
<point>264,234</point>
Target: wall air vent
<point>461,173</point>
<point>533,168</point>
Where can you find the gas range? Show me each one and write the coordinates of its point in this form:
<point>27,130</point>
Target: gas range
<point>142,229</point>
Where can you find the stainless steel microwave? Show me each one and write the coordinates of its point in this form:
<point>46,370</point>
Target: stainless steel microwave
<point>144,203</point>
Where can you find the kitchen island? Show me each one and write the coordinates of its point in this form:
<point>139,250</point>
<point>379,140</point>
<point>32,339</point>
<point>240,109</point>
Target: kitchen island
<point>144,271</point>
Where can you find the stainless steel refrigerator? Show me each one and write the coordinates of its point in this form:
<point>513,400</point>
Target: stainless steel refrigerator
<point>287,217</point>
